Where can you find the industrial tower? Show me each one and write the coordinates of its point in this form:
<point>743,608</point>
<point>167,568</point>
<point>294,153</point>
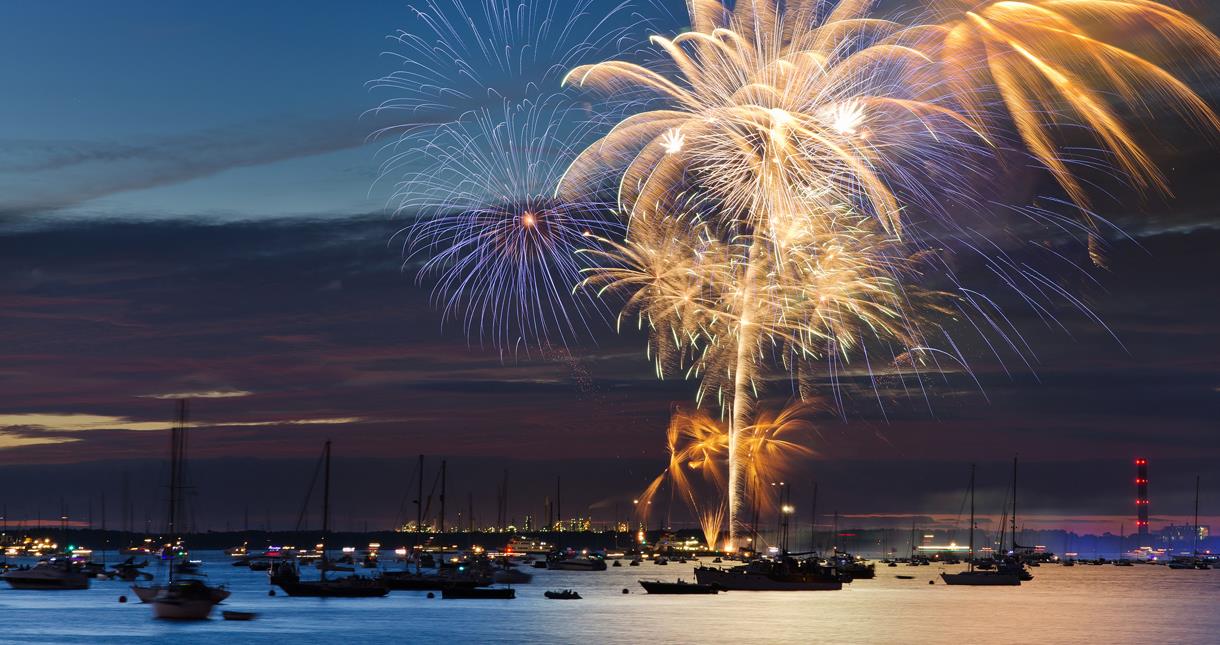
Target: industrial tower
<point>1141,500</point>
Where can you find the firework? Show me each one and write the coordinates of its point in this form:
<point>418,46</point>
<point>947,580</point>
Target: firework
<point>698,453</point>
<point>487,134</point>
<point>501,248</point>
<point>779,201</point>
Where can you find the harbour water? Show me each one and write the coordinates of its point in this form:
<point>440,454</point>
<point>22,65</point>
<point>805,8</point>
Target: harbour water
<point>1082,604</point>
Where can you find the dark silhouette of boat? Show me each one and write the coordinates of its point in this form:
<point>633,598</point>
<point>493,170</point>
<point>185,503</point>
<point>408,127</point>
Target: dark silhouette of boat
<point>785,574</point>
<point>679,587</point>
<point>288,577</point>
<point>971,577</point>
<point>566,594</point>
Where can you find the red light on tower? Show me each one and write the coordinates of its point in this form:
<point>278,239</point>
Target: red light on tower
<point>1141,500</point>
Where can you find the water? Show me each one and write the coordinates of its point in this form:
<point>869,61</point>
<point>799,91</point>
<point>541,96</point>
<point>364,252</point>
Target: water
<point>1082,604</point>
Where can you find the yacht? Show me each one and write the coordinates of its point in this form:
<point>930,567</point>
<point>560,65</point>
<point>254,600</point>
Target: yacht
<point>47,575</point>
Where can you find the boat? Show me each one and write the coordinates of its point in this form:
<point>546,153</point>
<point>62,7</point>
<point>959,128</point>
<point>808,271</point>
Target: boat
<point>974,578</point>
<point>417,581</point>
<point>184,600</point>
<point>905,577</point>
<point>1194,561</point>
<point>856,568</point>
<point>180,599</point>
<point>785,574</point>
<point>566,594</point>
<point>578,563</point>
<point>238,615</point>
<point>526,546</point>
<point>49,575</point>
<point>479,593</point>
<point>679,587</point>
<point>288,577</point>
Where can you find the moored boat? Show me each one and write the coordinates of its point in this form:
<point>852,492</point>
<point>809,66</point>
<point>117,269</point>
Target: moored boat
<point>679,587</point>
<point>47,576</point>
<point>769,575</point>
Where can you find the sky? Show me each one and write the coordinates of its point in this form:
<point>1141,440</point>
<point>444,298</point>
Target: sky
<point>188,207</point>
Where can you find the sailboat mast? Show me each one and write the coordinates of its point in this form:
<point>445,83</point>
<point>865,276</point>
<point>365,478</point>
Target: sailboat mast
<point>971,563</point>
<point>441,521</point>
<point>419,504</point>
<point>1194,542</point>
<point>1014,505</point>
<point>326,492</point>
<point>813,520</point>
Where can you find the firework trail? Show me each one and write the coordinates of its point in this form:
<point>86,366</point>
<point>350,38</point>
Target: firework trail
<point>779,201</point>
<point>698,452</point>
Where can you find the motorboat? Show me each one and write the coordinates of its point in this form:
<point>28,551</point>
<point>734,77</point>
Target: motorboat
<point>679,587</point>
<point>49,575</point>
<point>566,594</point>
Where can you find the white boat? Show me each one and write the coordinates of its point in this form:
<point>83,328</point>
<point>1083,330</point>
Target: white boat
<point>47,576</point>
<point>577,564</point>
<point>147,594</point>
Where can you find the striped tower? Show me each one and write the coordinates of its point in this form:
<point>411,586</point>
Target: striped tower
<point>1141,500</point>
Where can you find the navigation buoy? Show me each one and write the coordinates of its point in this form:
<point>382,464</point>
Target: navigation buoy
<point>431,595</point>
<point>625,590</point>
<point>271,592</point>
<point>122,599</point>
<point>931,582</point>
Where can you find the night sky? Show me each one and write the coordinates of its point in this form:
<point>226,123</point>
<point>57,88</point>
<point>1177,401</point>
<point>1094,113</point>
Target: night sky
<point>187,208</point>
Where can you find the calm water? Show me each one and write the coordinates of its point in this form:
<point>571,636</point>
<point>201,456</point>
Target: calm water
<point>1093,604</point>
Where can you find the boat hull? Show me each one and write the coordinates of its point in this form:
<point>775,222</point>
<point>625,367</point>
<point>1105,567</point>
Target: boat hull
<point>749,581</point>
<point>478,593</point>
<point>981,579</point>
<point>677,588</point>
<point>149,593</point>
<point>180,609</point>
<point>330,589</point>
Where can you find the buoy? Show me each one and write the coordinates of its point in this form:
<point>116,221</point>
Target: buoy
<point>931,582</point>
<point>431,595</point>
<point>122,598</point>
<point>271,592</point>
<point>625,590</point>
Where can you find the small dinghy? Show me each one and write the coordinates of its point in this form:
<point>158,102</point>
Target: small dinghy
<point>238,615</point>
<point>566,594</point>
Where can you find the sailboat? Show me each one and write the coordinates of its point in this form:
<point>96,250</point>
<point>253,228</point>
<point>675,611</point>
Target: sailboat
<point>179,598</point>
<point>1193,562</point>
<point>353,586</point>
<point>979,578</point>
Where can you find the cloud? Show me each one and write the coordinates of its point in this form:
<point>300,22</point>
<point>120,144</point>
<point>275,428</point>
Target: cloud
<point>18,429</point>
<point>203,394</point>
<point>10,439</point>
<point>47,175</point>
